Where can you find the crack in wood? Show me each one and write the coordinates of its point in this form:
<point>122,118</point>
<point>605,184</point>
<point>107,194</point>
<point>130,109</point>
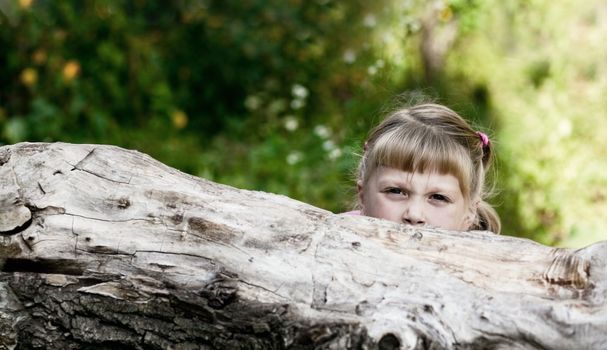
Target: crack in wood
<point>175,253</point>
<point>89,154</point>
<point>44,211</point>
<point>26,242</point>
<point>79,166</point>
<point>263,288</point>
<point>102,177</point>
<point>60,266</point>
<point>17,182</point>
<point>41,189</point>
<point>103,250</point>
<point>106,220</point>
<point>18,229</point>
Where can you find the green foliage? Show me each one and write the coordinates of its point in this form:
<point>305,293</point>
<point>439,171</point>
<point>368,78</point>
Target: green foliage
<point>278,95</point>
<point>229,90</point>
<point>548,102</point>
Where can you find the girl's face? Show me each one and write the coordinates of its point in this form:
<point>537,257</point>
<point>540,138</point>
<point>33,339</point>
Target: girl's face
<point>419,199</point>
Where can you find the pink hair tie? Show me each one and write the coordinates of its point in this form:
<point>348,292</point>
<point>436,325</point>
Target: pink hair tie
<point>484,138</point>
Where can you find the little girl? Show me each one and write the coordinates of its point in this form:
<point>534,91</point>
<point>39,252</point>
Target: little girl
<point>426,166</point>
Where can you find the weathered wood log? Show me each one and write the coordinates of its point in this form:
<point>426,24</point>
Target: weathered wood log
<point>107,248</point>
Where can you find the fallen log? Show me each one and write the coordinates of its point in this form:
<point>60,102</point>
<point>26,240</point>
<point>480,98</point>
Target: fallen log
<point>102,247</point>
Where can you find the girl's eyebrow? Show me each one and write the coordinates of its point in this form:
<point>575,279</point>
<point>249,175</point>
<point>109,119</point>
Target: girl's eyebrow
<point>406,183</point>
<point>393,181</point>
<point>441,190</point>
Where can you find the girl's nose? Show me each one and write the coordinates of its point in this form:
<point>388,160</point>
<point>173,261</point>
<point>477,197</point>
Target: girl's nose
<point>414,214</point>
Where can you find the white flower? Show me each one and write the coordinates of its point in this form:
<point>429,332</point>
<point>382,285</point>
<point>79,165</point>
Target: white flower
<point>293,158</point>
<point>299,91</point>
<point>291,124</point>
<point>322,131</point>
<point>372,70</point>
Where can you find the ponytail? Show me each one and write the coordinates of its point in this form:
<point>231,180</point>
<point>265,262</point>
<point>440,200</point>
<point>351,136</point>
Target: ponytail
<point>487,218</point>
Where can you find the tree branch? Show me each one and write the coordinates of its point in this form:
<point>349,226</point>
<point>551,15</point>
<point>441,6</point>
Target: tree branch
<point>155,258</point>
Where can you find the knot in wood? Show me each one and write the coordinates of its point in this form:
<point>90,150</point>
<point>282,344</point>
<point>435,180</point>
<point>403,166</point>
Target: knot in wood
<point>389,342</point>
<point>417,236</point>
<point>567,270</point>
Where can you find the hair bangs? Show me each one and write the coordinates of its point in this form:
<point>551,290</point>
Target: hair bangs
<point>423,150</point>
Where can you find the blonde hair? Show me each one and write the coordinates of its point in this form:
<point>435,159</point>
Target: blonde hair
<point>431,137</point>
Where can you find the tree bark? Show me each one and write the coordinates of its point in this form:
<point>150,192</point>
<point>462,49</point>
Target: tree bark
<point>103,247</point>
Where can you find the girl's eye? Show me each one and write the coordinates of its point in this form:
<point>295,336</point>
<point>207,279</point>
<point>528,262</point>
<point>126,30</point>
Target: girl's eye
<point>394,190</point>
<point>440,198</point>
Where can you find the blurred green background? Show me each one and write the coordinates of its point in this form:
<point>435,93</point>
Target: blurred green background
<point>278,95</point>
